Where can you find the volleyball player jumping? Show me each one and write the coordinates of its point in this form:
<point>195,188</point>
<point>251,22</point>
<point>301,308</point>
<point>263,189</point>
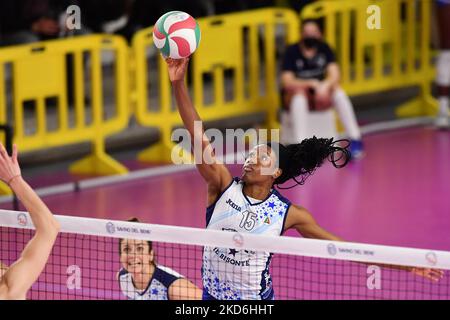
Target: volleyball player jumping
<point>250,204</point>
<point>16,280</point>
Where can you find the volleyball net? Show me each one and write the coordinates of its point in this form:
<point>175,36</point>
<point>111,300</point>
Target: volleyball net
<point>113,260</point>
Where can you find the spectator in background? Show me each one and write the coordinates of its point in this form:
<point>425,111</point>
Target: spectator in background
<point>310,79</point>
<point>13,28</point>
<point>443,63</point>
<point>26,21</point>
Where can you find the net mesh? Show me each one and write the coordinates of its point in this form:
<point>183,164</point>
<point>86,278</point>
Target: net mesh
<point>87,263</point>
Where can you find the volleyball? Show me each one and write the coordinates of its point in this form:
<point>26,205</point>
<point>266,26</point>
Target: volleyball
<point>177,35</point>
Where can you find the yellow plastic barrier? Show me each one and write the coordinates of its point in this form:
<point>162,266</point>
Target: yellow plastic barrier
<point>230,53</point>
<point>237,61</point>
<point>39,72</point>
<point>395,56</point>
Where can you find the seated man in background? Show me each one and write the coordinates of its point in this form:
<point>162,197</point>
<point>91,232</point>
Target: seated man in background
<point>310,80</point>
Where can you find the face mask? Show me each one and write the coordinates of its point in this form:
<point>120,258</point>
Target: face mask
<point>311,43</point>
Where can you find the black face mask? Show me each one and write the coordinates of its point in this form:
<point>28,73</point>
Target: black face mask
<point>311,43</point>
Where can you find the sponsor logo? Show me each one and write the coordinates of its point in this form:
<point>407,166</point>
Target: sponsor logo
<point>229,256</point>
<point>431,258</point>
<point>22,219</point>
<point>332,250</point>
<point>110,228</point>
<point>233,205</point>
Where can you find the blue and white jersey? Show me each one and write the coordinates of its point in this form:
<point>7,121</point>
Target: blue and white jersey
<point>230,274</point>
<point>157,289</point>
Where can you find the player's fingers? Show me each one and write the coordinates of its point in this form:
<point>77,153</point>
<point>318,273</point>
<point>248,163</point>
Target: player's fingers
<point>15,153</point>
<point>3,152</point>
<point>438,273</point>
<point>170,62</point>
<point>435,278</point>
<point>434,275</point>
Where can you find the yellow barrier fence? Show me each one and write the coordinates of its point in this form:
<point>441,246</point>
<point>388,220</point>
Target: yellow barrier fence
<point>40,77</point>
<point>236,52</point>
<point>372,59</point>
<point>233,74</point>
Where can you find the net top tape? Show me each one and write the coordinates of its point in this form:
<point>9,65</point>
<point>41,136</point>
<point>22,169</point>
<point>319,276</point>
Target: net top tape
<point>377,254</point>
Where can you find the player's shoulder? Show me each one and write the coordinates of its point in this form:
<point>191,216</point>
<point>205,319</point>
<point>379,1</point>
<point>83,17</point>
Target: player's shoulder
<point>166,275</point>
<point>299,212</point>
<point>123,275</point>
<point>296,207</point>
<point>166,272</point>
<point>281,198</point>
<point>235,184</point>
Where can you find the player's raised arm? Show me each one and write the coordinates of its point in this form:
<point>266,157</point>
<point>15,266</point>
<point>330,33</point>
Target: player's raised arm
<point>19,278</point>
<point>216,174</point>
<point>302,221</point>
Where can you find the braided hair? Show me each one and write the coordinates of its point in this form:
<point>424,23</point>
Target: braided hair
<point>300,161</point>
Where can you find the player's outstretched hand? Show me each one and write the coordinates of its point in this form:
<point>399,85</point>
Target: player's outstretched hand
<point>430,274</point>
<point>9,166</point>
<point>177,69</point>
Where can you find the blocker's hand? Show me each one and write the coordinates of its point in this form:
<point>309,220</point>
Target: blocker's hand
<point>430,274</point>
<point>9,166</point>
<point>177,69</point>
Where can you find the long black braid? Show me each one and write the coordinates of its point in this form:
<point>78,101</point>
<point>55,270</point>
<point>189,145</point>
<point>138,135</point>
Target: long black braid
<point>300,161</point>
